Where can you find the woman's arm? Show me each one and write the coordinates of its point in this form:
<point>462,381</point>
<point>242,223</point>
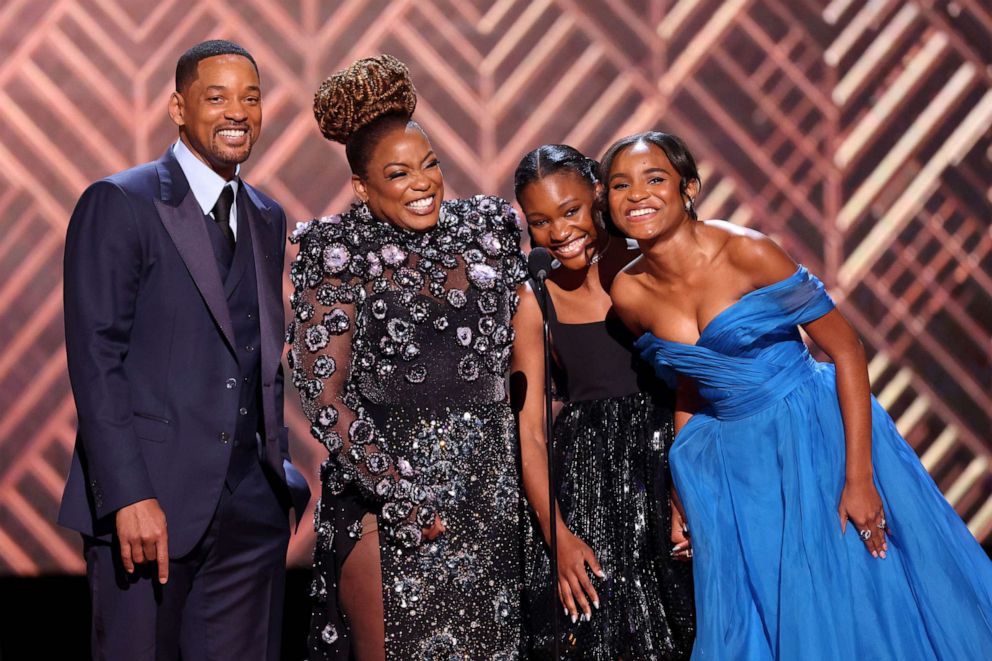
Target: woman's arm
<point>322,334</point>
<point>860,501</point>
<point>686,404</point>
<point>766,263</point>
<point>527,394</point>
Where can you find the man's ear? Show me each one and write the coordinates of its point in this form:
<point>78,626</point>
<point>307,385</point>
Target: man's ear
<point>177,109</point>
<point>360,190</point>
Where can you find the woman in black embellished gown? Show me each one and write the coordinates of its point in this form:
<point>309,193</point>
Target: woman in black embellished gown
<point>627,594</point>
<point>400,344</point>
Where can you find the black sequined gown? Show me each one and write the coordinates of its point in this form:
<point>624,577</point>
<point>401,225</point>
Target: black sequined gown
<point>400,344</point>
<point>612,439</point>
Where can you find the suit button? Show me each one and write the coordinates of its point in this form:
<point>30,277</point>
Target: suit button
<point>243,411</point>
<point>224,437</point>
<point>231,383</point>
<point>249,348</point>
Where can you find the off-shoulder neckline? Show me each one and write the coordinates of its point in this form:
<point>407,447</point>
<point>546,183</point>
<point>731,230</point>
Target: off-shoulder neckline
<point>799,272</point>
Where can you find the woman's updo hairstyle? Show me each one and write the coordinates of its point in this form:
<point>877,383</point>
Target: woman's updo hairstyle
<point>675,149</point>
<point>360,104</point>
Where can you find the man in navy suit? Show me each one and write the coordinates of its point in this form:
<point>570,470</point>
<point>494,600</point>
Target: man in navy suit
<point>181,482</point>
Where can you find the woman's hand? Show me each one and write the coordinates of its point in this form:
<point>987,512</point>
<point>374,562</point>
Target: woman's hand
<point>681,544</point>
<point>436,529</point>
<point>574,587</point>
<point>861,503</point>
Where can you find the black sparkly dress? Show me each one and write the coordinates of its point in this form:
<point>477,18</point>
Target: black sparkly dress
<point>400,345</point>
<point>612,438</point>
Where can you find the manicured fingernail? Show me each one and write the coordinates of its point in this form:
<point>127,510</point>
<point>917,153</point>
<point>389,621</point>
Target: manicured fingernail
<point>882,555</point>
<point>596,604</point>
<point>601,574</point>
<point>575,618</point>
<point>566,611</point>
<point>874,554</point>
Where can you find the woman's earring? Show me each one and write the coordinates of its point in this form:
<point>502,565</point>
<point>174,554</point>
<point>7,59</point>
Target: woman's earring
<point>688,207</point>
<point>363,211</point>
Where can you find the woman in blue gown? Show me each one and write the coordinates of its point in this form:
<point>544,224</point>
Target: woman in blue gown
<point>817,533</point>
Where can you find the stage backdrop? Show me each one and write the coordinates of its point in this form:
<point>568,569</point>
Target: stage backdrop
<point>855,133</point>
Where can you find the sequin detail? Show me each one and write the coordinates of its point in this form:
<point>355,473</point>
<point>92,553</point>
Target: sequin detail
<point>428,314</point>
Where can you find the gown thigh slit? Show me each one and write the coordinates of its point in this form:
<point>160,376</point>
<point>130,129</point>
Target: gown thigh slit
<point>361,594</point>
<point>400,345</point>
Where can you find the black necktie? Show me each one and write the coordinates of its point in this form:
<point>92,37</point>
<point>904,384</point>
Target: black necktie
<point>222,213</point>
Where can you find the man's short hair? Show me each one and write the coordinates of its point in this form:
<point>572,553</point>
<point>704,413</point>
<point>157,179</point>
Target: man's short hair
<point>188,61</point>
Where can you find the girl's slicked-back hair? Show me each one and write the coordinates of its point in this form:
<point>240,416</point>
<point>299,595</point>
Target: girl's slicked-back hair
<point>360,104</point>
<point>675,149</point>
<point>554,159</point>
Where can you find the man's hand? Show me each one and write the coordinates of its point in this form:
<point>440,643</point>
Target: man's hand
<point>141,530</point>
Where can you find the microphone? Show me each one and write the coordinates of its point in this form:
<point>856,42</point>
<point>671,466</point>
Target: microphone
<point>540,263</point>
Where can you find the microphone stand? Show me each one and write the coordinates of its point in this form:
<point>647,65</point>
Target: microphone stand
<point>542,299</point>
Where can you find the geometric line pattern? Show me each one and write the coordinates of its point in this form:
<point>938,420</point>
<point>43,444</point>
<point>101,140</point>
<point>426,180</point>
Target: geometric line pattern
<point>854,133</point>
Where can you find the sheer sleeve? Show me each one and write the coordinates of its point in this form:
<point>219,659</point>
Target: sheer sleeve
<point>505,228</point>
<point>327,311</point>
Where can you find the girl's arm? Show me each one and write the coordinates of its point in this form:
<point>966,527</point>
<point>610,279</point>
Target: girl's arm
<point>527,394</point>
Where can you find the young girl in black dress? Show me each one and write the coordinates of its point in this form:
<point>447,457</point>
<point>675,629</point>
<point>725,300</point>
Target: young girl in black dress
<point>625,593</point>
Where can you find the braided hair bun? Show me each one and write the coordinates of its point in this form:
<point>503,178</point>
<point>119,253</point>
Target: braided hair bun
<point>367,90</point>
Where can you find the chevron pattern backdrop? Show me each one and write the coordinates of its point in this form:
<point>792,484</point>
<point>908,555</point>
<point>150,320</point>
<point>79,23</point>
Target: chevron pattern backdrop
<point>856,133</point>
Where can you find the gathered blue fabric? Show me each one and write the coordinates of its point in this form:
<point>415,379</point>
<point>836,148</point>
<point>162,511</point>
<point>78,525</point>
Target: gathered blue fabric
<point>760,471</point>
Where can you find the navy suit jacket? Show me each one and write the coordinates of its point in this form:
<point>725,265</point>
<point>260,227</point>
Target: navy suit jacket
<point>150,347</point>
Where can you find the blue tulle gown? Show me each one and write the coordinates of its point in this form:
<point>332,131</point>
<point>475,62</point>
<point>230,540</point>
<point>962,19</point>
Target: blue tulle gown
<point>760,472</point>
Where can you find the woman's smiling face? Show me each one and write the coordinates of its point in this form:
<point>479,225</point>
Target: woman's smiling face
<point>403,184</point>
<point>559,209</point>
<point>645,195</point>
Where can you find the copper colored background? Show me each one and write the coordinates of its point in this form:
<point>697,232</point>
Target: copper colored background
<point>855,133</point>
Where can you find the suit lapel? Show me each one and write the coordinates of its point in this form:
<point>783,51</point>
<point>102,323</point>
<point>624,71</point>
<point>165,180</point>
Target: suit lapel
<point>266,243</point>
<point>183,220</point>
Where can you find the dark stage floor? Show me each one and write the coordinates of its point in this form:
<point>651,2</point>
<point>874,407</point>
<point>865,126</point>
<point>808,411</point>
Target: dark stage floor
<point>48,617</point>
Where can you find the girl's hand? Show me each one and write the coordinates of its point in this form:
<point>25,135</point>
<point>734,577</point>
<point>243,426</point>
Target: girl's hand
<point>681,544</point>
<point>861,503</point>
<point>574,587</point>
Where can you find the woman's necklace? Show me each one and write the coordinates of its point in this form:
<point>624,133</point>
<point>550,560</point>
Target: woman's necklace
<point>599,253</point>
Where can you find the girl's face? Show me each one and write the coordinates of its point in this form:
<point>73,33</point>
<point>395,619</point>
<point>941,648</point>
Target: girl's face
<point>644,196</point>
<point>403,183</point>
<point>559,210</point>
